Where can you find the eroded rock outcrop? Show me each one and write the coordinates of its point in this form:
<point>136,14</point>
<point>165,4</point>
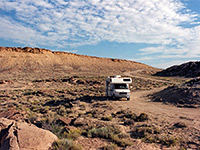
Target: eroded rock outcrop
<point>23,136</point>
<point>190,69</point>
<point>184,95</point>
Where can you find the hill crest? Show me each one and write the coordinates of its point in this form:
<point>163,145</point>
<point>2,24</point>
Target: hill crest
<point>43,62</point>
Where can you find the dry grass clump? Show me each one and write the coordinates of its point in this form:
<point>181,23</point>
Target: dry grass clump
<point>151,134</point>
<point>110,132</point>
<point>65,144</point>
<point>107,118</point>
<point>110,146</point>
<point>128,114</point>
<point>73,134</point>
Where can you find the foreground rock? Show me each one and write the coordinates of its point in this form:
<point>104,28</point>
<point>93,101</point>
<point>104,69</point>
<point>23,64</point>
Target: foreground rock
<point>190,69</point>
<point>186,95</point>
<point>20,135</point>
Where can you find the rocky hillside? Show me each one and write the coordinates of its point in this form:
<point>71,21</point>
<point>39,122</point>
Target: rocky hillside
<point>184,95</point>
<point>190,69</point>
<point>42,62</point>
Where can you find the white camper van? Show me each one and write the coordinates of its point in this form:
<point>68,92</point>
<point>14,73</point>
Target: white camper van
<point>118,87</point>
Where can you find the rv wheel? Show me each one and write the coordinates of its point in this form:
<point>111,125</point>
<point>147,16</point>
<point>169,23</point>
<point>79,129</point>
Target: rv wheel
<point>128,99</point>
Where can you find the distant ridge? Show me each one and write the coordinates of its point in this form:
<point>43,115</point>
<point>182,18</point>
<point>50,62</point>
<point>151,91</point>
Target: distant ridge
<point>189,69</point>
<point>43,62</point>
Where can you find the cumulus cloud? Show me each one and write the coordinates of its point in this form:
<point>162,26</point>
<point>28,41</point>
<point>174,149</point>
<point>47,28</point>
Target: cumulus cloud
<point>75,23</point>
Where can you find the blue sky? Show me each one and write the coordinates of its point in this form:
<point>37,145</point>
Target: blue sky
<point>159,33</point>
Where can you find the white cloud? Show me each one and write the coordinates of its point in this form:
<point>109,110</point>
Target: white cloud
<point>75,23</point>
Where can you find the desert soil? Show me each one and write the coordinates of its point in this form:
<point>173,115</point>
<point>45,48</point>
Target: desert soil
<point>84,97</point>
<point>163,116</point>
<point>140,102</point>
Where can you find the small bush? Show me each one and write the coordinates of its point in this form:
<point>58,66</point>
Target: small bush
<point>149,139</point>
<point>121,142</point>
<point>142,117</point>
<point>111,146</point>
<point>108,118</point>
<point>168,141</point>
<point>130,115</point>
<point>133,116</point>
<point>103,132</point>
<point>54,127</point>
<point>180,125</point>
<point>144,131</point>
<point>65,144</point>
<point>61,111</point>
<point>89,115</point>
<point>73,134</point>
<point>129,122</point>
<point>111,133</point>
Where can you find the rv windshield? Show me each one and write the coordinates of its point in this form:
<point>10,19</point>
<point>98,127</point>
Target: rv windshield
<point>121,86</point>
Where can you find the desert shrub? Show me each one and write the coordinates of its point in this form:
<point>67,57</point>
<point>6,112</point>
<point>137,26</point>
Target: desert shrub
<point>142,117</point>
<point>182,148</point>
<point>107,118</point>
<point>141,132</point>
<point>102,132</point>
<point>44,110</point>
<point>121,142</point>
<point>54,127</point>
<point>144,131</point>
<point>28,92</point>
<point>65,144</point>
<point>151,135</point>
<point>61,110</point>
<point>89,115</point>
<point>129,122</point>
<point>32,117</point>
<point>180,125</point>
<point>111,133</point>
<point>36,108</point>
<point>111,146</point>
<point>133,116</point>
<point>149,139</point>
<point>73,134</point>
<point>168,141</point>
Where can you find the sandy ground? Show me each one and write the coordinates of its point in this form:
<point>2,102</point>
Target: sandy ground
<point>140,102</point>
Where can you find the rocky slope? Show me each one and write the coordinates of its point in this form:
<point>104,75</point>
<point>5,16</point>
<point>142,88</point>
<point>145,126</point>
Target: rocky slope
<point>42,62</point>
<point>187,94</point>
<point>190,69</point>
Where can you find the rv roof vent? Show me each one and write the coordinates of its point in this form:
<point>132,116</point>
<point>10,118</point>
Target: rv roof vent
<point>117,76</point>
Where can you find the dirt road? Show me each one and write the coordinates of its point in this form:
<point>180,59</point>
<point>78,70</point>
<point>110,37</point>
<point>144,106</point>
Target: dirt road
<point>140,102</point>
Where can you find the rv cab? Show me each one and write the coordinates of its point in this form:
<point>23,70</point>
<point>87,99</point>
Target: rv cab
<point>118,87</point>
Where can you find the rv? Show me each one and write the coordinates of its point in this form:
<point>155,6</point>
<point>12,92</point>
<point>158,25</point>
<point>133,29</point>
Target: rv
<point>118,87</point>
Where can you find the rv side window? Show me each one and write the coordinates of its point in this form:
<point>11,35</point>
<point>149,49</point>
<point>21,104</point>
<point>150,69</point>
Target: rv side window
<point>127,80</point>
<point>121,86</point>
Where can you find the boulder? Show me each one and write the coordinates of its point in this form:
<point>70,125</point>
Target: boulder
<point>23,136</point>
